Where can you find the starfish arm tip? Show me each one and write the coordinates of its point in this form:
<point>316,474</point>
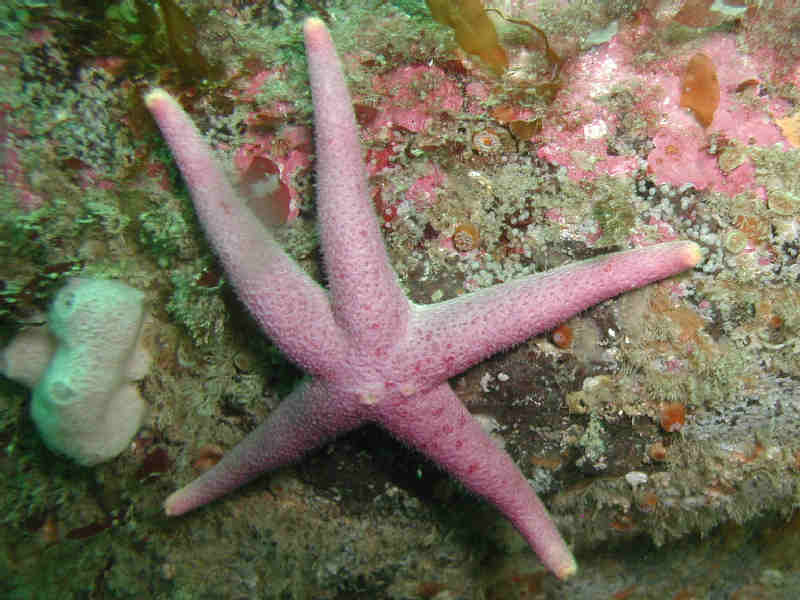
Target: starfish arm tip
<point>154,96</point>
<point>172,505</point>
<point>312,23</point>
<point>319,43</point>
<point>694,254</point>
<point>567,569</point>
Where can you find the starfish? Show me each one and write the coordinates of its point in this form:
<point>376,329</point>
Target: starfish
<point>374,356</point>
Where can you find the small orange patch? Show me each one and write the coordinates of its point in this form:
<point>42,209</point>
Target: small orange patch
<point>525,130</point>
<point>430,589</point>
<point>626,593</point>
<point>756,452</point>
<point>747,84</point>
<point>562,336</point>
<point>700,88</point>
<point>206,457</point>
<point>790,128</point>
<point>657,451</point>
<point>673,416</point>
<point>49,531</point>
<point>487,141</point>
<point>551,463</point>
<point>623,523</point>
<point>466,237</point>
<point>648,502</point>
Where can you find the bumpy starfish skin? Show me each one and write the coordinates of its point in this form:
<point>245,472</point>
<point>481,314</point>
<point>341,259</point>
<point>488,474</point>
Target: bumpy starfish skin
<point>373,356</point>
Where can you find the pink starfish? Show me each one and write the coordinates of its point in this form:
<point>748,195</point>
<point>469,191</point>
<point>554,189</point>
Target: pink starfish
<point>373,355</point>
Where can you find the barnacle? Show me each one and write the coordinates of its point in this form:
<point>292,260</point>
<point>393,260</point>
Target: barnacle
<point>783,203</point>
<point>486,141</point>
<point>466,237</point>
<point>736,241</point>
<point>490,140</point>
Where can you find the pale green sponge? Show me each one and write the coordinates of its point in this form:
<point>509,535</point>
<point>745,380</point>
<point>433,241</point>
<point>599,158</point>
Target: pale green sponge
<point>85,403</point>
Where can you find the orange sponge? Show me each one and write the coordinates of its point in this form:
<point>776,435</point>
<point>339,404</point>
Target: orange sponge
<point>700,88</point>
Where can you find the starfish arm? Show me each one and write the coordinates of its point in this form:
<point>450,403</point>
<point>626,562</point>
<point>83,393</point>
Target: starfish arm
<point>453,439</point>
<point>282,298</point>
<point>367,300</point>
<point>451,336</point>
<point>303,421</point>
